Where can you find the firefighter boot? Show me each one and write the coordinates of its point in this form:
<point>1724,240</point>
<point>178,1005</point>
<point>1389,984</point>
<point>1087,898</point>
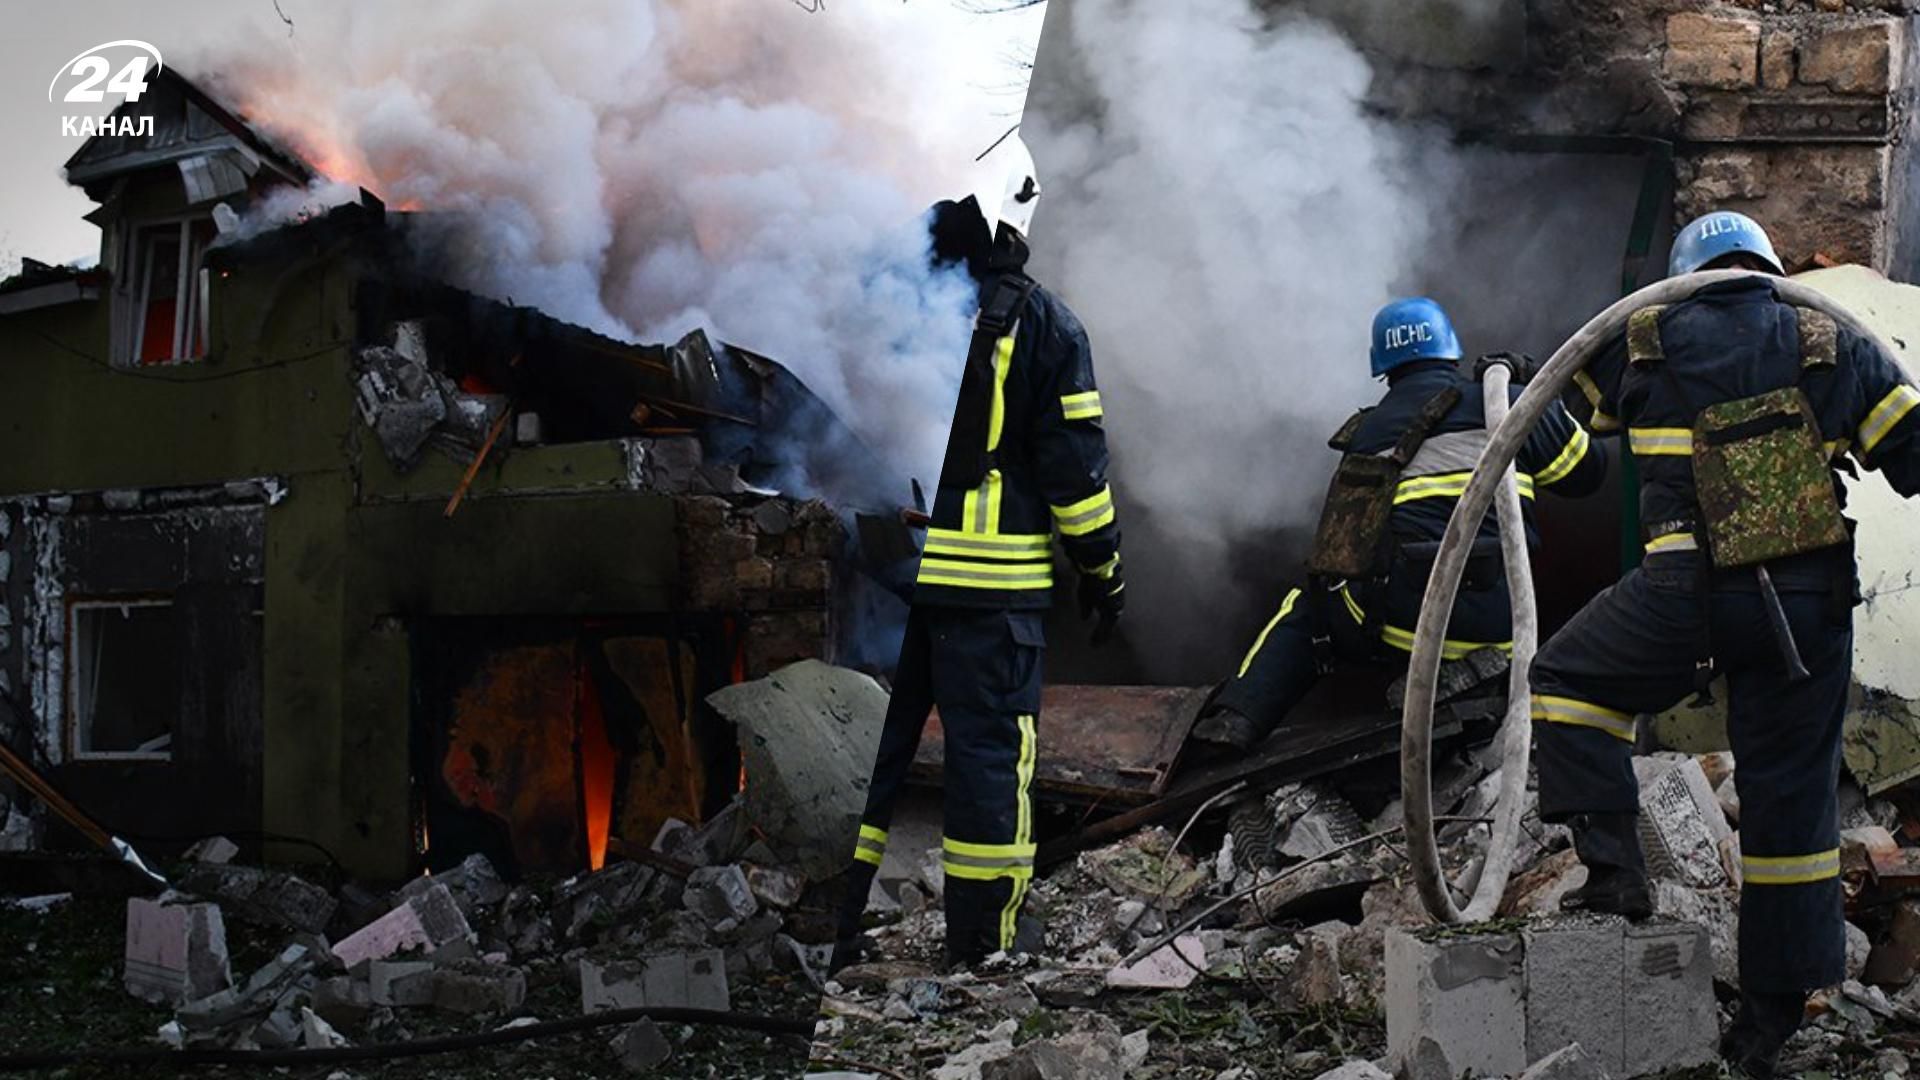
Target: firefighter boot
<point>1609,847</point>
<point>1761,1027</point>
<point>1224,730</point>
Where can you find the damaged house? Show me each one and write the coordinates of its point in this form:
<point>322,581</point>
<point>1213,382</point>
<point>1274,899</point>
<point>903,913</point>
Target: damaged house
<point>302,545</point>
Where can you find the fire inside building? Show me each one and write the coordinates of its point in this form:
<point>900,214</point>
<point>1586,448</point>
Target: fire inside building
<point>306,547</point>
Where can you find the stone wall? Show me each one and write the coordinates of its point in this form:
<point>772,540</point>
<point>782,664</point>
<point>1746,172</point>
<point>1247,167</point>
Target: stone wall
<point>771,560</point>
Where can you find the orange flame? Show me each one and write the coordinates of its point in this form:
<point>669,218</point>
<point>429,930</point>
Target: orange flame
<point>597,759</point>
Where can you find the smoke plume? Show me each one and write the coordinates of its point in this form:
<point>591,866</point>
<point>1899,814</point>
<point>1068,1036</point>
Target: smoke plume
<point>648,167</point>
<point>1225,217</point>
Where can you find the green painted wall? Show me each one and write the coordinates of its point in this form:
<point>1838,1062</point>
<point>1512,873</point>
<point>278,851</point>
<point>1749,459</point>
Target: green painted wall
<point>354,549</point>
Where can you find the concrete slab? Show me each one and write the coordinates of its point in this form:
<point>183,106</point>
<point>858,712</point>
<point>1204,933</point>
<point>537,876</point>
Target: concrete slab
<point>430,921</point>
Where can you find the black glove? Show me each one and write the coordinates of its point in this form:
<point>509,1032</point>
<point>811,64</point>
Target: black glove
<point>1105,596</point>
<point>1522,366</point>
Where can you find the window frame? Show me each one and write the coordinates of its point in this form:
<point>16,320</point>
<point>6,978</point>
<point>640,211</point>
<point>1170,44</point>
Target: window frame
<point>190,306</point>
<point>75,749</point>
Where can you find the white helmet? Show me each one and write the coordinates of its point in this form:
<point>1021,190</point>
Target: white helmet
<point>1009,187</point>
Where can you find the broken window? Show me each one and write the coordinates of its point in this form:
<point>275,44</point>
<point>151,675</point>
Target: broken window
<point>166,288</point>
<point>123,670</point>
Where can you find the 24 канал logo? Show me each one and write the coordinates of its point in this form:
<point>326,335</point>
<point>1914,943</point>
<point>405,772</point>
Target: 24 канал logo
<point>93,75</point>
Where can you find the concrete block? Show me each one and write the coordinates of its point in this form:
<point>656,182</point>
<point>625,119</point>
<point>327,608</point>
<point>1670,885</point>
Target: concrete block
<point>774,887</point>
<point>1465,991</point>
<point>175,952</point>
<point>642,1047</point>
<point>317,1034</point>
<point>400,983</point>
<point>474,884</point>
<point>1681,825</point>
<point>1714,51</point>
<point>1576,989</point>
<point>261,993</point>
<point>343,1001</point>
<point>1852,60</point>
<point>429,922</point>
<point>476,988</point>
<point>267,897</point>
<point>1164,968</point>
<point>719,893</point>
<point>694,980</point>
<point>1671,1018</point>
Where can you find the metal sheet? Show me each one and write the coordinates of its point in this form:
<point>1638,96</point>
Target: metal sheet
<point>1107,744</point>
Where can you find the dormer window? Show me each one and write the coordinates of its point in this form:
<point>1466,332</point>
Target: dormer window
<point>165,290</point>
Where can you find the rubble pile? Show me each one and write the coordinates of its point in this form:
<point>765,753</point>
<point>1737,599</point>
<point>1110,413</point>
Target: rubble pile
<point>1273,913</point>
<point>706,913</point>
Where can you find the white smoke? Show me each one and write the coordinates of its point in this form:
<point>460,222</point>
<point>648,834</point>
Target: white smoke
<point>1225,217</point>
<point>648,167</point>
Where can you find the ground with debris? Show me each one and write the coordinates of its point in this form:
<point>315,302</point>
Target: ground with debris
<point>1255,945</point>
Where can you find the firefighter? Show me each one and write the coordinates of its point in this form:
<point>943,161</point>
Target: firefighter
<point>1026,460</point>
<point>1406,462</point>
<point>1739,409</point>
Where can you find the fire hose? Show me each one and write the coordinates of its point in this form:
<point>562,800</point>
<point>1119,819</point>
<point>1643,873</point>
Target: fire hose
<point>1489,477</point>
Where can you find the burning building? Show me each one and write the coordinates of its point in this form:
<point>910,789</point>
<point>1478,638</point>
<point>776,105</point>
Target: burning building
<point>303,545</point>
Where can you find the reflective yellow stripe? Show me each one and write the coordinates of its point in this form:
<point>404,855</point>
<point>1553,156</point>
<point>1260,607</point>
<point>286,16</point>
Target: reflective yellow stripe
<point>987,862</point>
<point>1353,606</point>
<point>869,832</point>
<point>871,847</point>
<point>1570,456</point>
<point>1026,546</point>
<point>1599,421</point>
<point>1661,441</point>
<point>990,494</point>
<point>997,416</point>
<point>1023,826</point>
<point>1449,648</point>
<point>1880,422</point>
<point>1286,608</point>
<point>1836,447</point>
<point>1560,710</point>
<point>1451,485</point>
<point>1082,406</point>
<point>1085,516</point>
<point>980,575</point>
<point>1790,869</point>
<point>1104,570</point>
<point>1677,541</point>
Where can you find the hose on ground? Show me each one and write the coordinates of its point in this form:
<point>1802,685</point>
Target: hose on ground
<point>1423,671</point>
<point>162,1057</point>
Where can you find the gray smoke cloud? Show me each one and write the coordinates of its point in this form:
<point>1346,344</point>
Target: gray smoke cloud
<point>1225,216</point>
<point>648,167</point>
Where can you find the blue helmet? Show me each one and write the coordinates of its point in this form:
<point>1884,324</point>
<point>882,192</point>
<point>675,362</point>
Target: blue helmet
<point>1412,329</point>
<point>1711,236</point>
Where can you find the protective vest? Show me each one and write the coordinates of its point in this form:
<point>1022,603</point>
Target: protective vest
<point>1761,473</point>
<point>1351,541</point>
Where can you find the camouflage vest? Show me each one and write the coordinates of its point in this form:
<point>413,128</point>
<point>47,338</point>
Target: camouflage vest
<point>1760,470</point>
<point>1351,542</point>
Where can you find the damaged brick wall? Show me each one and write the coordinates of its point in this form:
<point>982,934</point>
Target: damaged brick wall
<point>770,559</point>
<point>1794,111</point>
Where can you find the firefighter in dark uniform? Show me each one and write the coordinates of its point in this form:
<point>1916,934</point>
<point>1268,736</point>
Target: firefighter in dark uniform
<point>1740,409</point>
<point>1026,460</point>
<point>1406,463</point>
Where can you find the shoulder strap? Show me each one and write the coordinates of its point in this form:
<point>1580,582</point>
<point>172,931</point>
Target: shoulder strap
<point>1435,410</point>
<point>1643,335</point>
<point>1343,439</point>
<point>1819,339</point>
<point>1001,311</point>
